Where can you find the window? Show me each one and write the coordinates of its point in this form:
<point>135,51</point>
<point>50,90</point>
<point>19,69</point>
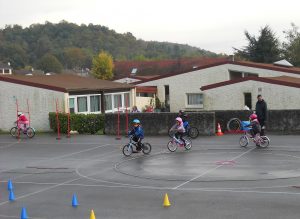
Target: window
<point>108,103</point>
<point>117,100</point>
<point>250,75</point>
<point>95,103</point>
<point>145,94</point>
<point>127,99</point>
<point>72,105</point>
<point>235,75</point>
<point>6,71</point>
<point>82,104</point>
<point>195,100</point>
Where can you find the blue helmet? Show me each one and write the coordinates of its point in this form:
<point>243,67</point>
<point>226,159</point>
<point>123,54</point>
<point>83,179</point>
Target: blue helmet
<point>136,121</point>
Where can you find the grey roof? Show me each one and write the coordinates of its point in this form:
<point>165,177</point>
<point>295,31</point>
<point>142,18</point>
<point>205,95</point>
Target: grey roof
<point>6,66</point>
<point>284,63</point>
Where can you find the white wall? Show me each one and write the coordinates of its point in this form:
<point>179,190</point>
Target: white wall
<point>41,102</point>
<point>191,82</point>
<point>141,102</point>
<point>231,97</point>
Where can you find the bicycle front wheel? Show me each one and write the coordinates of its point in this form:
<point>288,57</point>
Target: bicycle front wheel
<point>127,150</point>
<point>172,146</point>
<point>234,124</point>
<point>30,132</point>
<point>14,131</point>
<point>146,148</point>
<point>193,132</point>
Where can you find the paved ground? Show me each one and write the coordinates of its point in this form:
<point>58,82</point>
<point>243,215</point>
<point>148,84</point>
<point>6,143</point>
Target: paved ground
<point>216,179</point>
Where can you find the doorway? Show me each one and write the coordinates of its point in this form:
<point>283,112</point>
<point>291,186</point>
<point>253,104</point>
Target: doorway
<point>248,100</point>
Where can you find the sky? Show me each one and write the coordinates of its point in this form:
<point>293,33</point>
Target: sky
<point>214,25</point>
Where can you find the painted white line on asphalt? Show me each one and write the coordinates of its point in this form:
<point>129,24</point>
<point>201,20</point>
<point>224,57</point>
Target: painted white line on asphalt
<point>9,145</point>
<point>58,157</point>
<point>6,216</point>
<point>129,186</point>
<point>211,170</point>
<point>41,190</point>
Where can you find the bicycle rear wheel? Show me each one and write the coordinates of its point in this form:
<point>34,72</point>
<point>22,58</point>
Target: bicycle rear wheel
<point>193,132</point>
<point>30,132</point>
<point>146,148</point>
<point>265,141</point>
<point>172,146</point>
<point>188,144</point>
<point>234,124</point>
<point>244,141</point>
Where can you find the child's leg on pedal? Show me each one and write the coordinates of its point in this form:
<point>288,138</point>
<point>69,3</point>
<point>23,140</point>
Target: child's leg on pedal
<point>181,138</point>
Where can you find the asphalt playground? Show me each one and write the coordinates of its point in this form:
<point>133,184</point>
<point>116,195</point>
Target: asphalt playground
<point>215,179</point>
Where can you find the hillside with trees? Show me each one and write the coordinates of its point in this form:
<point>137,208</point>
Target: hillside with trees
<point>71,46</point>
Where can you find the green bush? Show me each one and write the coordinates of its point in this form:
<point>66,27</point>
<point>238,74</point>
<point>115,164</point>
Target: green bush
<point>90,123</point>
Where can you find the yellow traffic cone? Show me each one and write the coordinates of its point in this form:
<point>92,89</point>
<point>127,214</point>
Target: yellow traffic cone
<point>92,215</point>
<point>166,201</point>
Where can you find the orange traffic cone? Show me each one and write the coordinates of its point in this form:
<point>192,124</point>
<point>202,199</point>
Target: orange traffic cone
<point>219,132</point>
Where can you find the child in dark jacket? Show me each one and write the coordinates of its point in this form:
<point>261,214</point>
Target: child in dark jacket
<point>137,134</point>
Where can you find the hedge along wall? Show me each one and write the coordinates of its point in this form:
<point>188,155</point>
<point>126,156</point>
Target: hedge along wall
<point>90,123</point>
<point>159,123</point>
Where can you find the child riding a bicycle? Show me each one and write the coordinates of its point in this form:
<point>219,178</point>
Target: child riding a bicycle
<point>178,129</point>
<point>22,121</point>
<point>254,124</point>
<point>137,134</point>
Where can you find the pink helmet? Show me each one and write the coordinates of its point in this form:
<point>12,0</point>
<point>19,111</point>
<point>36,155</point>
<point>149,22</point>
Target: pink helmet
<point>253,116</point>
<point>179,119</point>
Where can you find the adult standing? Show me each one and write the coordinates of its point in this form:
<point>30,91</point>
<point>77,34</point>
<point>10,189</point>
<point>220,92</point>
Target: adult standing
<point>261,112</point>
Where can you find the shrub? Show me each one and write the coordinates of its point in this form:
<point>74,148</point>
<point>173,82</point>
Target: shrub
<point>90,123</point>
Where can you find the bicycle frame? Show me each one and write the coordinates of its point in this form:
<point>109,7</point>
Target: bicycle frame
<point>131,142</point>
<point>177,141</point>
<point>257,139</point>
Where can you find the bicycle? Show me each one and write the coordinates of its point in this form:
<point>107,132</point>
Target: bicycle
<point>128,148</point>
<point>19,128</point>
<point>190,131</point>
<point>175,142</point>
<point>261,141</point>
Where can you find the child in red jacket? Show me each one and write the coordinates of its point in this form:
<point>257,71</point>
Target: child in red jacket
<point>22,121</point>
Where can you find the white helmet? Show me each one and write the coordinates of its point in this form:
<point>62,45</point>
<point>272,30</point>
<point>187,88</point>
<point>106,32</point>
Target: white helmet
<point>20,113</point>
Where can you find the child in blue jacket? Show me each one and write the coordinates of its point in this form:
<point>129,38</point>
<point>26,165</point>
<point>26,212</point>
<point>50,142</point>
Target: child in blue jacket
<point>138,133</point>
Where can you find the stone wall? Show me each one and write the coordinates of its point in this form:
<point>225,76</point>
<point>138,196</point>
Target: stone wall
<point>279,121</point>
<point>159,123</point>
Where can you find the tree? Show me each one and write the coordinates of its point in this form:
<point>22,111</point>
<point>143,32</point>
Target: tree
<point>49,63</point>
<point>264,48</point>
<point>74,57</point>
<point>103,66</point>
<point>14,54</point>
<point>291,48</point>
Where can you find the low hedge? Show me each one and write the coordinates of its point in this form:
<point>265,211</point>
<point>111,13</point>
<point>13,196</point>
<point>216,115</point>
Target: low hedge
<point>90,123</point>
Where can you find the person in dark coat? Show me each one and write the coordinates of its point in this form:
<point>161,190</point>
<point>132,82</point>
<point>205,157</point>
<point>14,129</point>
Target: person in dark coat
<point>261,112</point>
